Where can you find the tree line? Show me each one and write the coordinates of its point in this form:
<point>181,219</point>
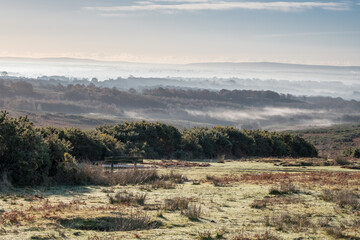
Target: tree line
<point>30,155</point>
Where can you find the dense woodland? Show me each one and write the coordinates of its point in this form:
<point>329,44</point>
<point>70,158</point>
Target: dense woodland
<point>31,155</point>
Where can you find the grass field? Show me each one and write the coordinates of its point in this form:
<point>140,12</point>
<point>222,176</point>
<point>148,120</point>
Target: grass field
<point>257,199</point>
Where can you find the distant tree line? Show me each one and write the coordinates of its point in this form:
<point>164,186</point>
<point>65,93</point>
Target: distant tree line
<point>29,155</point>
<point>84,97</point>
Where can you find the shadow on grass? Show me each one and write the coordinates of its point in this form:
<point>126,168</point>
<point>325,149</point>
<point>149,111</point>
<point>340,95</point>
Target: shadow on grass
<point>110,224</point>
<point>44,192</point>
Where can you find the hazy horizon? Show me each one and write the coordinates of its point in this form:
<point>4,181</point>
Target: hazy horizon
<point>78,59</point>
<point>183,31</point>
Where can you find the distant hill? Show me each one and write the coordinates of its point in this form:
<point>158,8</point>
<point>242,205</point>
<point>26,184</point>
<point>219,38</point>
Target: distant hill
<point>249,109</point>
<point>273,65</point>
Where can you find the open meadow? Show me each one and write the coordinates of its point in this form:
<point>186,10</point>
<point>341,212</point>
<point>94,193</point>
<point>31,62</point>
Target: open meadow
<point>248,199</point>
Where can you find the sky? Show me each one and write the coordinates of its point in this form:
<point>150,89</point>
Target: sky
<point>183,31</point>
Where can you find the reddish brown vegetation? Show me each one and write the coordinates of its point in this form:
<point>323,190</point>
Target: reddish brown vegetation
<point>314,178</point>
<point>15,217</point>
<point>46,210</point>
<point>58,206</point>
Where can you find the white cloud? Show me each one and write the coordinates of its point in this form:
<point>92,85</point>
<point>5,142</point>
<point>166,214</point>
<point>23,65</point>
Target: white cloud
<point>183,1</point>
<point>201,5</point>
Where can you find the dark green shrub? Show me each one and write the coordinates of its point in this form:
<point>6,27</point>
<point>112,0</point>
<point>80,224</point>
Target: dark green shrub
<point>152,140</point>
<point>352,152</point>
<point>83,145</point>
<point>23,153</point>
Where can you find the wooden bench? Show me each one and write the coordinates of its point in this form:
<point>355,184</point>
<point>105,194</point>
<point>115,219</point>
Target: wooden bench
<point>122,159</point>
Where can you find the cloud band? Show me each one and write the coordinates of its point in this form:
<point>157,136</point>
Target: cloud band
<point>202,5</point>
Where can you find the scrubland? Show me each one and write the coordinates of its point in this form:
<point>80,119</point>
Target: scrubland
<point>247,199</point>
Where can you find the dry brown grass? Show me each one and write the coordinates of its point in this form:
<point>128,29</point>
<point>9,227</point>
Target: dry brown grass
<point>16,217</point>
<point>222,181</point>
<point>135,221</point>
<point>45,210</point>
<point>193,212</point>
<point>205,235</point>
<point>87,174</point>
<point>289,222</point>
<point>283,188</point>
<point>57,207</point>
<point>262,236</point>
<point>277,200</point>
<point>162,184</point>
<point>344,198</point>
<point>314,178</point>
<point>86,209</point>
<point>177,203</point>
<point>128,198</point>
<point>174,177</point>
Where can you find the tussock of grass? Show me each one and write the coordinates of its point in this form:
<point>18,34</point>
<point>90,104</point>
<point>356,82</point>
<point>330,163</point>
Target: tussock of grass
<point>222,181</point>
<point>289,222</point>
<point>262,236</point>
<point>258,204</point>
<point>193,212</point>
<point>343,198</point>
<point>87,174</point>
<point>128,198</point>
<point>283,188</point>
<point>342,161</point>
<point>174,177</point>
<point>276,200</point>
<point>178,203</point>
<point>158,184</point>
<point>212,235</point>
<point>205,235</point>
<point>108,224</point>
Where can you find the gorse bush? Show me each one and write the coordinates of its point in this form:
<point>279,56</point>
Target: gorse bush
<point>23,152</point>
<point>31,155</point>
<point>352,152</point>
<point>89,145</point>
<point>152,140</point>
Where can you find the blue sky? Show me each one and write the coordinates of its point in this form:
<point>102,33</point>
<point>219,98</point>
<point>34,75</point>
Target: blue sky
<point>183,31</point>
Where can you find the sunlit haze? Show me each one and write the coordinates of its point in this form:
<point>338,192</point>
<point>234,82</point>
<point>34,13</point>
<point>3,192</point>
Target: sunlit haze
<point>183,31</point>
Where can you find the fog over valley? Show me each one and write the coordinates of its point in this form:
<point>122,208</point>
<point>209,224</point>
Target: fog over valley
<point>335,81</point>
<point>66,101</point>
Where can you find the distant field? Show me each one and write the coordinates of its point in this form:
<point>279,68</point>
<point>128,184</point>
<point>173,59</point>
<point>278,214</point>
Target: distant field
<point>257,199</point>
<point>332,141</point>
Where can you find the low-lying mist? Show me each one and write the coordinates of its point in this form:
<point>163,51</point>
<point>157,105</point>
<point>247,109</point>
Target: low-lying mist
<point>310,80</point>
